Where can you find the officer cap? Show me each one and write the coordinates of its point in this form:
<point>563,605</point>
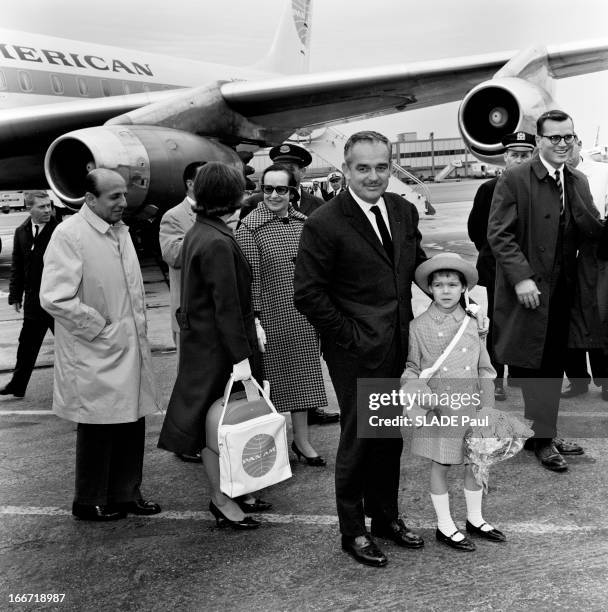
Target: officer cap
<point>519,140</point>
<point>290,153</point>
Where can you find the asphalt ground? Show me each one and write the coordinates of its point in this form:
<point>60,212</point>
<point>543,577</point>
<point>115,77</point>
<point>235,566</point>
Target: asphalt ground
<point>555,558</point>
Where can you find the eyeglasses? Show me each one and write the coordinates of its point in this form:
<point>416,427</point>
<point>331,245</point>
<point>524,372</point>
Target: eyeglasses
<point>280,189</point>
<point>556,138</point>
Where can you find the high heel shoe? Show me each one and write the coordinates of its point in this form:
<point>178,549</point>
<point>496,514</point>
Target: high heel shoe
<point>224,521</point>
<point>317,461</point>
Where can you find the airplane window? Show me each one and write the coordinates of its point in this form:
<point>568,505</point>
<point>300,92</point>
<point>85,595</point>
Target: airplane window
<point>105,87</point>
<point>57,84</point>
<point>126,88</point>
<point>83,88</point>
<point>25,81</point>
<point>2,80</point>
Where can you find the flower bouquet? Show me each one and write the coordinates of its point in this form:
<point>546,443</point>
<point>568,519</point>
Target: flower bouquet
<point>502,437</point>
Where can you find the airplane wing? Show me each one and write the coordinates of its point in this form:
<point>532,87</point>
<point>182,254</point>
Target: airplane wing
<point>286,103</point>
<point>281,105</point>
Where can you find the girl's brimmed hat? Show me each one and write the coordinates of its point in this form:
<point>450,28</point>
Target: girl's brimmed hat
<point>445,261</point>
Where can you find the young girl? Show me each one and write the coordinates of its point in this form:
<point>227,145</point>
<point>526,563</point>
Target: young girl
<point>465,370</point>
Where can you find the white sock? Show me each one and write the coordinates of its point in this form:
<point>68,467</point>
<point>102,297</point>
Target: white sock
<point>473,500</point>
<point>445,524</point>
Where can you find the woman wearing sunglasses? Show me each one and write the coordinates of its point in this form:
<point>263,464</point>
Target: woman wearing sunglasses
<point>269,237</point>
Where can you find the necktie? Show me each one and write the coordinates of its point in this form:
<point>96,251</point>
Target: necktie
<point>35,236</point>
<point>387,243</point>
<point>561,190</point>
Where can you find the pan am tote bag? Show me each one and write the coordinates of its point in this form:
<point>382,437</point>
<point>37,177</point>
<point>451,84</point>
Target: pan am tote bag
<point>252,441</point>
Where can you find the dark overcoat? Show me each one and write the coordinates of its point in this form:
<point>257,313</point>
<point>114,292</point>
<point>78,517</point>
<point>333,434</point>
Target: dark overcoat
<point>217,329</point>
<point>26,268</point>
<point>523,232</point>
<point>345,283</point>
<point>477,226</point>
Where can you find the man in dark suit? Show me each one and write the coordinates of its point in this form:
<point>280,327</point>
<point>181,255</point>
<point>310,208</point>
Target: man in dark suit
<point>541,213</point>
<point>30,242</point>
<point>518,149</point>
<point>353,277</point>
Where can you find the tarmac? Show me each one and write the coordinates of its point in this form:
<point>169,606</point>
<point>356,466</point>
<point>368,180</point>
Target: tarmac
<point>555,557</point>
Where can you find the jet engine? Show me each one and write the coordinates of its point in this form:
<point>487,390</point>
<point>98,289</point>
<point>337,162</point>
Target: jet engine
<point>498,107</point>
<point>150,159</point>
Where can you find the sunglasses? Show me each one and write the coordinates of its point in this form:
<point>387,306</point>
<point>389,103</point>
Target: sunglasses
<point>280,189</point>
<point>556,138</point>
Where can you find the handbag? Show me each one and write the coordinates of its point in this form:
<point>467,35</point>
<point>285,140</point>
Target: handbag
<point>252,441</point>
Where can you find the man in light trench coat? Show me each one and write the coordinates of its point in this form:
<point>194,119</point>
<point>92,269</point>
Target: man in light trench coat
<point>92,287</point>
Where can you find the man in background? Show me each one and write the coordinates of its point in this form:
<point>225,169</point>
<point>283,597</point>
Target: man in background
<point>30,242</point>
<point>173,227</point>
<point>335,185</point>
<point>518,149</point>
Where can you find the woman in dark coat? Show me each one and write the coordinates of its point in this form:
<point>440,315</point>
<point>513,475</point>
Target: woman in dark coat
<point>217,329</point>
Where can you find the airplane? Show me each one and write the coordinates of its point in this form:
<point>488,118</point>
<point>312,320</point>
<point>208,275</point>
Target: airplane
<point>67,107</point>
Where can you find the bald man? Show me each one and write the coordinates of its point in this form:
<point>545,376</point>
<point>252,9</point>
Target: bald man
<point>92,287</point>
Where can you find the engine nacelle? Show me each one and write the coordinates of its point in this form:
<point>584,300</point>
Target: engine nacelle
<point>498,107</point>
<point>150,159</point>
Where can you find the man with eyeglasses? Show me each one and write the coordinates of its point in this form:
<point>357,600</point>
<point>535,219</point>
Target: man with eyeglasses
<point>591,290</point>
<point>541,213</point>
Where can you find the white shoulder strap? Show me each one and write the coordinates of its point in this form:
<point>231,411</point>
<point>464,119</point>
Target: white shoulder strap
<point>428,372</point>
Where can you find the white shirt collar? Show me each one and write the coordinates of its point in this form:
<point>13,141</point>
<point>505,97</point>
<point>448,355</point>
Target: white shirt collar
<point>550,169</point>
<point>366,206</point>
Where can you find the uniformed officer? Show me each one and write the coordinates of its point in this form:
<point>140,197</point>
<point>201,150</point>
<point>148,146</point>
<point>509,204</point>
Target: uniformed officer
<point>518,149</point>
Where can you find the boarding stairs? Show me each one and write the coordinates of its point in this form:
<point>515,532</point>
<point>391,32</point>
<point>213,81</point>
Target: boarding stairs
<point>328,144</point>
<point>445,172</point>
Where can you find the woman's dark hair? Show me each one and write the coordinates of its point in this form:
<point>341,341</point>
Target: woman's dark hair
<point>461,278</point>
<point>218,189</point>
<point>294,196</point>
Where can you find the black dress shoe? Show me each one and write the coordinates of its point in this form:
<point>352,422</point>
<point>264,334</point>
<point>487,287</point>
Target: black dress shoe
<point>322,417</point>
<point>86,512</point>
<point>364,550</point>
<point>494,535</point>
<point>574,390</point>
<point>550,458</point>
<point>258,505</point>
<point>464,545</point>
<point>223,521</point>
<point>499,391</point>
<point>196,458</point>
<point>8,390</point>
<point>567,448</point>
<point>140,507</point>
<point>397,532</point>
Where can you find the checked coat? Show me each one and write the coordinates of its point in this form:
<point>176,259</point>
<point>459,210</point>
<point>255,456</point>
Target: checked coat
<point>292,362</point>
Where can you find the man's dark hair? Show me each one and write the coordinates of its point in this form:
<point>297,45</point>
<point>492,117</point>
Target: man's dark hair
<point>294,196</point>
<point>552,115</point>
<point>218,189</point>
<point>191,170</point>
<point>366,136</point>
